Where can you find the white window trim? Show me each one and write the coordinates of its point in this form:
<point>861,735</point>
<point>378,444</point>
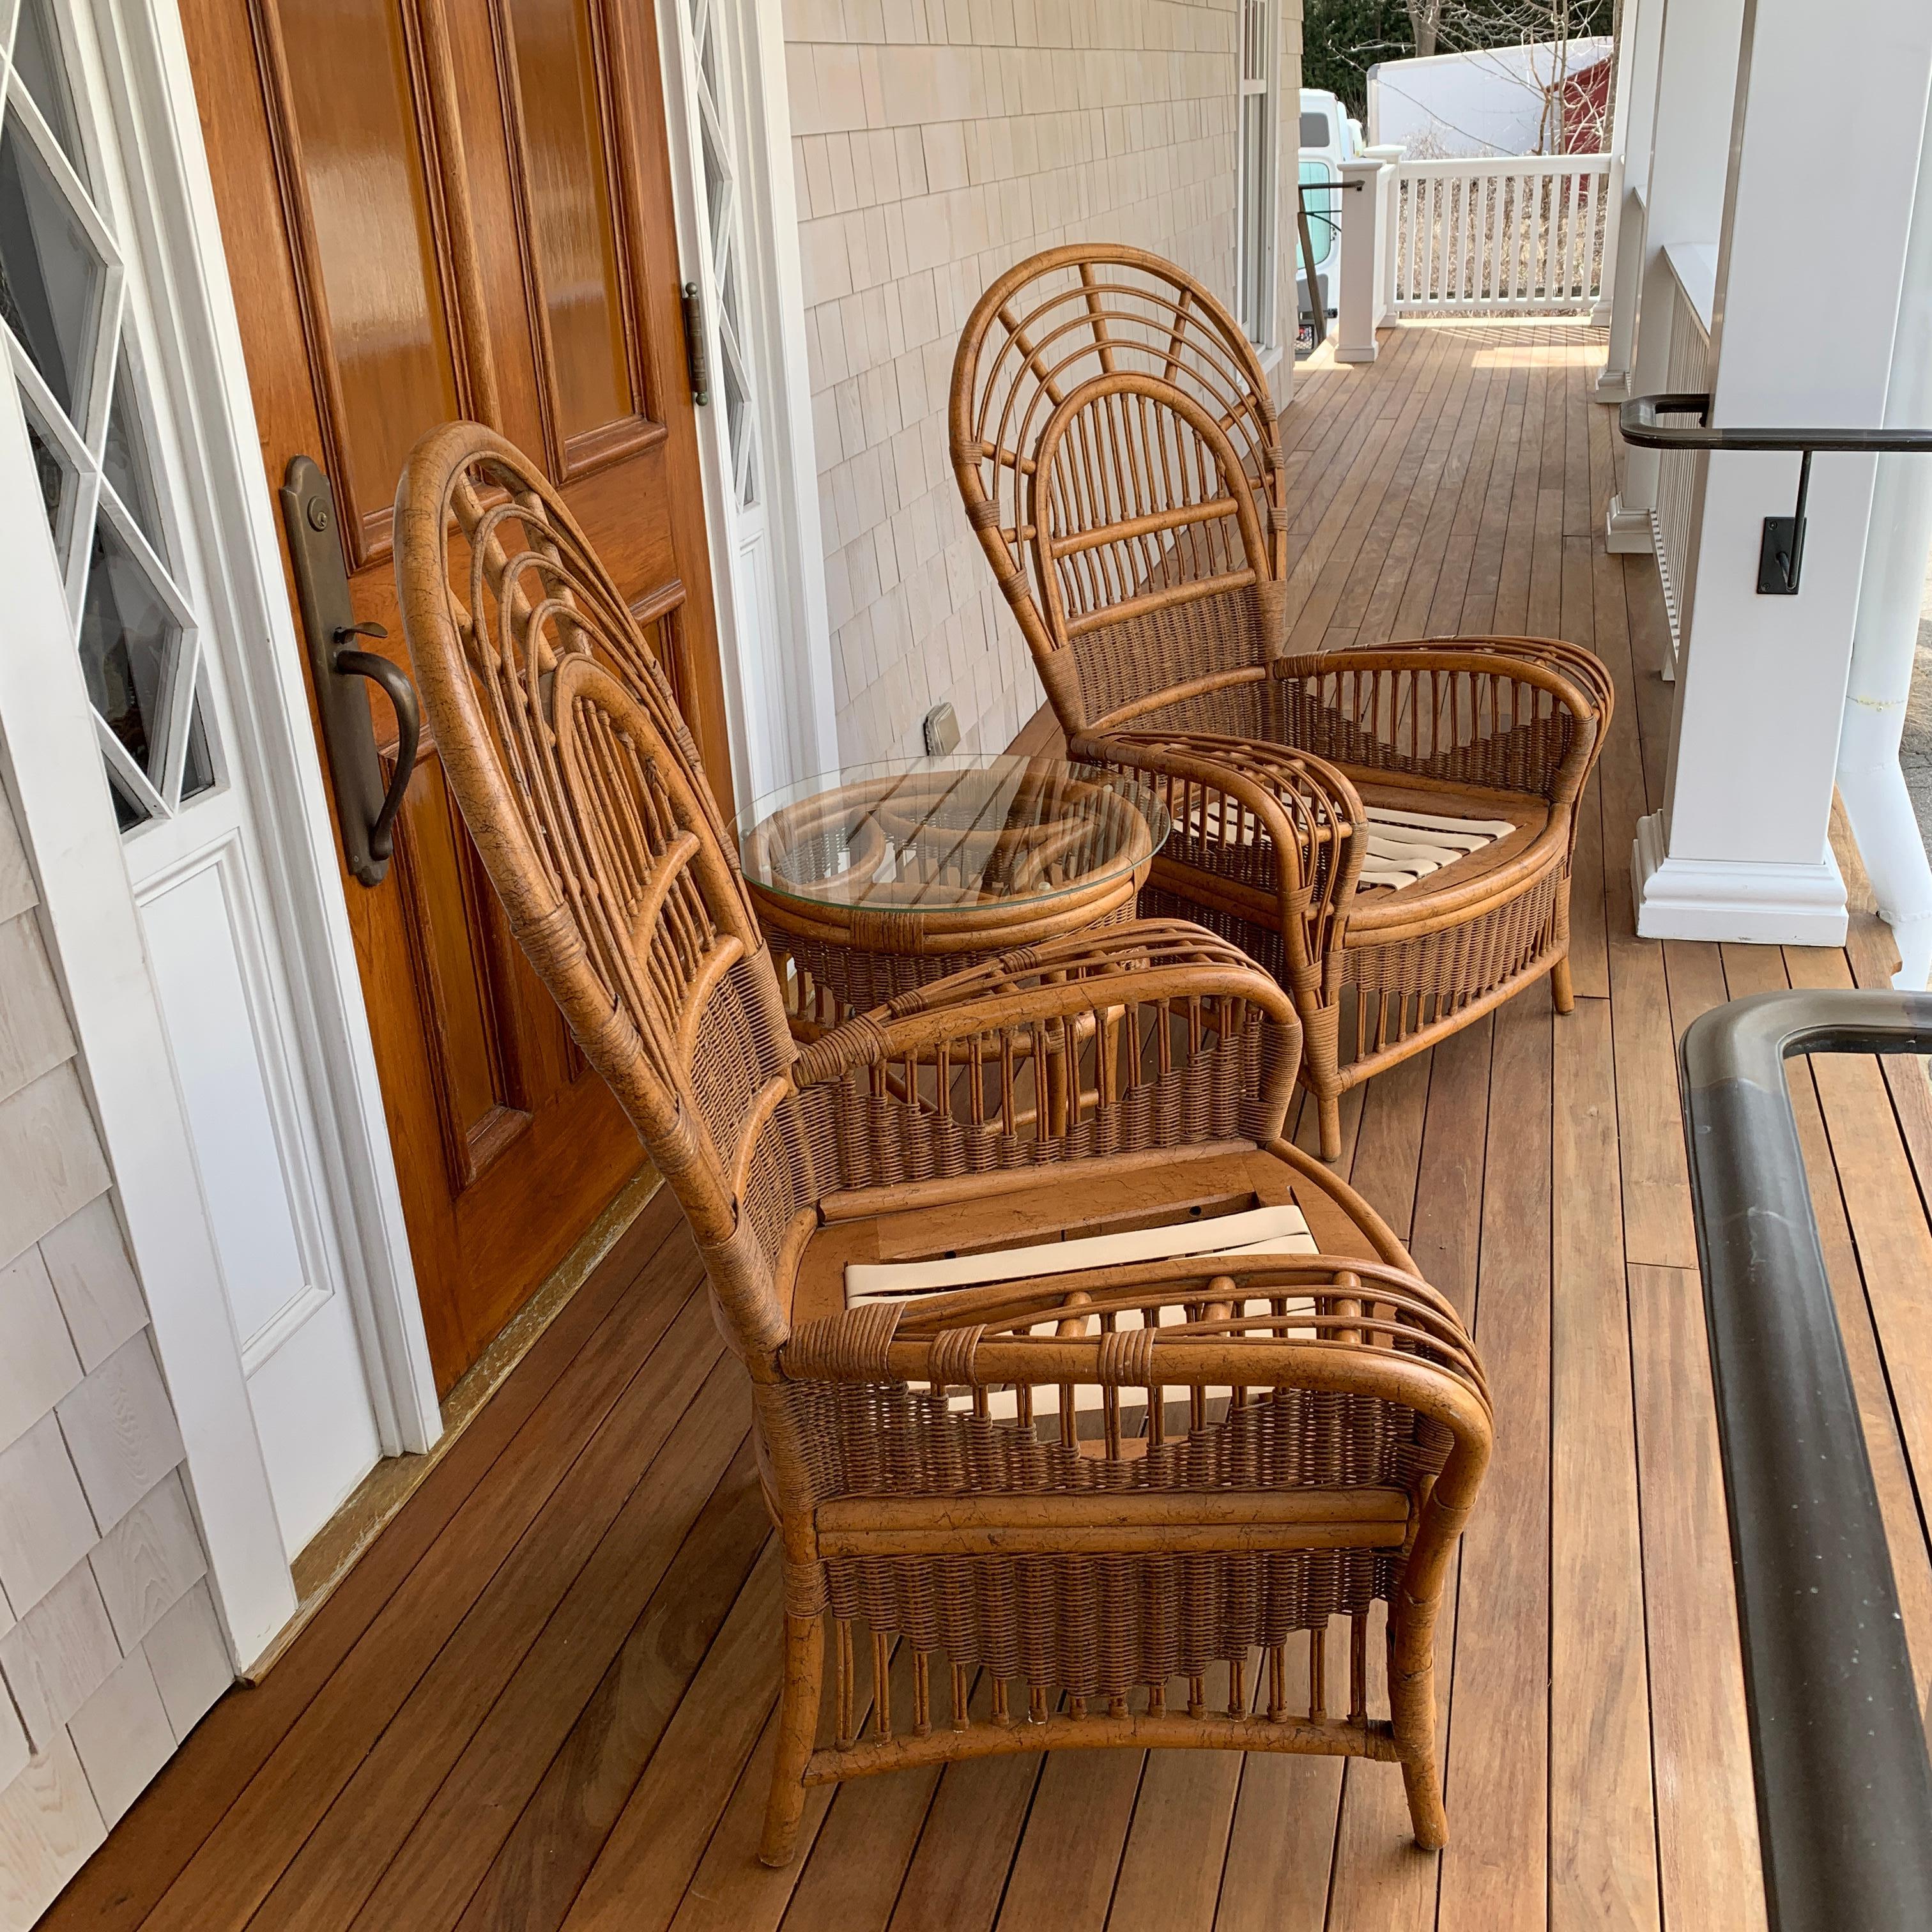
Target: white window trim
<point>781,700</point>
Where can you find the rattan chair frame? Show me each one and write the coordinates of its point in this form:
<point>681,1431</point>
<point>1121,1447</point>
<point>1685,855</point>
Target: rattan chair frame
<point>1121,461</point>
<point>1334,1423</point>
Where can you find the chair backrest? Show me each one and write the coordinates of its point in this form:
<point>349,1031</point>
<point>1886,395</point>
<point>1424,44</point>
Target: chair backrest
<point>584,795</point>
<point>1118,452</point>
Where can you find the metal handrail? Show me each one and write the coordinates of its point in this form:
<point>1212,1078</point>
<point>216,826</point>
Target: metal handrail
<point>1781,549</point>
<point>1637,420</point>
<point>1838,1752</point>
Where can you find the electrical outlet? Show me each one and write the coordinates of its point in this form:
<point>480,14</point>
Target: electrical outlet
<point>942,731</point>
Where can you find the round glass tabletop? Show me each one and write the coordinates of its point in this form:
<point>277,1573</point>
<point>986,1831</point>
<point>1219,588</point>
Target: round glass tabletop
<point>928,833</point>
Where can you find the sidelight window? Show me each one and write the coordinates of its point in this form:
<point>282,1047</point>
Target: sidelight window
<point>62,307</point>
<point>724,243</point>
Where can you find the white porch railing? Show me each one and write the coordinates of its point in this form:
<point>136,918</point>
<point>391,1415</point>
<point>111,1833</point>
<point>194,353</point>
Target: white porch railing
<point>1680,472</point>
<point>1523,235</point>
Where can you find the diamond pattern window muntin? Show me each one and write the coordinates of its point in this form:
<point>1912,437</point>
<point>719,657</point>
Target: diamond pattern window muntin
<point>42,69</point>
<point>127,466</point>
<point>719,198</point>
<point>92,436</point>
<point>54,280</point>
<point>59,469</point>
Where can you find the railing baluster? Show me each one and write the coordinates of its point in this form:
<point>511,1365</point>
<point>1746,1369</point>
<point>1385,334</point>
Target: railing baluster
<point>1498,227</point>
<point>1514,233</point>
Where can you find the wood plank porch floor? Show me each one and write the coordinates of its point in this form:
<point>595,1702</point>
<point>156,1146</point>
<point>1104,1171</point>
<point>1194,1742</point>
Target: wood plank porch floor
<point>542,1698</point>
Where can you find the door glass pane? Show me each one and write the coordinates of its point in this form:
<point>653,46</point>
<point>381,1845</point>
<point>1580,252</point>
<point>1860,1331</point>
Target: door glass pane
<point>737,416</point>
<point>127,814</point>
<point>57,479</point>
<point>571,226</point>
<point>125,463</point>
<point>198,768</point>
<point>127,637</point>
<point>37,61</point>
<point>717,177</point>
<point>52,278</point>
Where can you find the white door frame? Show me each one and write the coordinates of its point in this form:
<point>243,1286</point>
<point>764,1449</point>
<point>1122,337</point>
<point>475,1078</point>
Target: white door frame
<point>61,796</point>
<point>778,677</point>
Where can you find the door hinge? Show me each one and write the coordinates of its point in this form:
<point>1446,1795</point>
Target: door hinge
<point>697,358</point>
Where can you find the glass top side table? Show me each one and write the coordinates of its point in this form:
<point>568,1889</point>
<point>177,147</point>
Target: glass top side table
<point>878,878</point>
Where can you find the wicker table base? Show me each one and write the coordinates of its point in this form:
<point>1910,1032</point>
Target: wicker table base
<point>872,883</point>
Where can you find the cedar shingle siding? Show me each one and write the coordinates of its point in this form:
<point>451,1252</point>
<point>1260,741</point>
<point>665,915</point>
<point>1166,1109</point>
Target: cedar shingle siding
<point>935,143</point>
<point>109,1651</point>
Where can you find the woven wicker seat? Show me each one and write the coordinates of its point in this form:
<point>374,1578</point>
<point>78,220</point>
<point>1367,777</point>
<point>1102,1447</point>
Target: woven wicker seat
<point>1116,1503</point>
<point>1121,461</point>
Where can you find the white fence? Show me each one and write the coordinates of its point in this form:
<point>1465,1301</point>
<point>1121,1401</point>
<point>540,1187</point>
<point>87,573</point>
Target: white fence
<point>1522,234</point>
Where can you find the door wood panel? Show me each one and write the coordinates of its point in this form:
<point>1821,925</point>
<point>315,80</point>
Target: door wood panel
<point>442,207</point>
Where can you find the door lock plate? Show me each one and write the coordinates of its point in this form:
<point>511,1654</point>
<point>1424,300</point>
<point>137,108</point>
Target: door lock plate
<point>365,806</point>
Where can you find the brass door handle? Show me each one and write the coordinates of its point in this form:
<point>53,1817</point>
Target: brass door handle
<point>365,806</point>
<point>402,694</point>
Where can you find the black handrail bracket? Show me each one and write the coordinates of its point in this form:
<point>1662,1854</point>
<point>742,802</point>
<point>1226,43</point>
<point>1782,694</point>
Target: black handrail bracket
<point>1780,557</point>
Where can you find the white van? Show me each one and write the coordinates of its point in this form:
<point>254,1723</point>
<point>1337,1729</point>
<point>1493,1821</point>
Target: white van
<point>1328,139</point>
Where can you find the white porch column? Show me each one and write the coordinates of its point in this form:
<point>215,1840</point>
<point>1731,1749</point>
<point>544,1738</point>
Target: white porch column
<point>1389,191</point>
<point>1691,132</point>
<point>1885,642</point>
<point>1632,118</point>
<point>1740,851</point>
<point>1359,307</point>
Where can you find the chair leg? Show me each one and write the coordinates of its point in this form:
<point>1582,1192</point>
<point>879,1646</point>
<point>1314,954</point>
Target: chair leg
<point>798,1726</point>
<point>1412,1713</point>
<point>1329,1106</point>
<point>1561,990</point>
<point>1422,1784</point>
<point>1321,1062</point>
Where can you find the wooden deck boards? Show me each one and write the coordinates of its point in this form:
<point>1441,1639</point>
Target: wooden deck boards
<point>543,1698</point>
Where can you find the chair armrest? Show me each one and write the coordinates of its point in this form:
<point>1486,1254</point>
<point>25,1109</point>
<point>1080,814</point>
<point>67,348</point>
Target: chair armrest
<point>1151,1034</point>
<point>1507,714</point>
<point>1399,1399</point>
<point>1309,1322</point>
<point>1576,662</point>
<point>1272,817</point>
<point>1082,974</point>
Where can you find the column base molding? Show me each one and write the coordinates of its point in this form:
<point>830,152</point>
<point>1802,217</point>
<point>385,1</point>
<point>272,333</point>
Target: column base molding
<point>1627,533</point>
<point>1749,901</point>
<point>1600,316</point>
<point>1367,355</point>
<point>1613,386</point>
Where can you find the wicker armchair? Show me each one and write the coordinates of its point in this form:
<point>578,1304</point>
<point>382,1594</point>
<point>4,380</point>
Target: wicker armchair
<point>1109,1484</point>
<point>1389,831</point>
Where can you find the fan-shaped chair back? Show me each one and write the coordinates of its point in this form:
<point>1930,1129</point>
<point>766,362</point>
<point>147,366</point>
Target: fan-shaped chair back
<point>1114,442</point>
<point>587,801</point>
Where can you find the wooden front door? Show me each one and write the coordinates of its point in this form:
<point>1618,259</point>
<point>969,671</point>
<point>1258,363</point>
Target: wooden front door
<point>435,208</point>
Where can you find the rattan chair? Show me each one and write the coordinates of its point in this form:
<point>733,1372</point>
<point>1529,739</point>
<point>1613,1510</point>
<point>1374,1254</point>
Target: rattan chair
<point>1111,1494</point>
<point>1390,831</point>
